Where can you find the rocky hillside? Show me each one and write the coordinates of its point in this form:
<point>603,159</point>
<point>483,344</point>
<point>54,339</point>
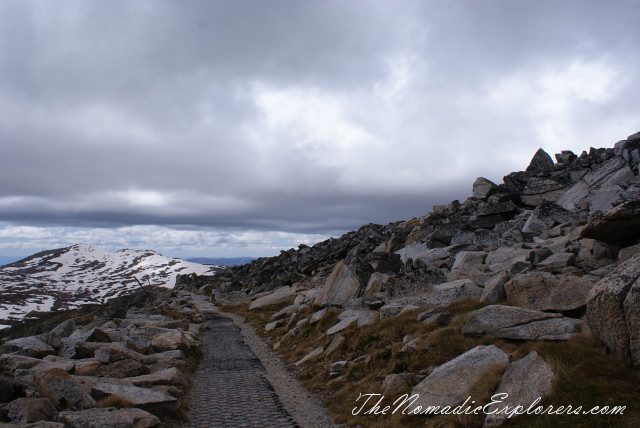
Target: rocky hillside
<point>69,277</point>
<point>500,287</point>
<point>126,363</point>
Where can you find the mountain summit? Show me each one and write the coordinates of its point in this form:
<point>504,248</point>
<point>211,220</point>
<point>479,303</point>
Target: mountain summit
<point>68,277</point>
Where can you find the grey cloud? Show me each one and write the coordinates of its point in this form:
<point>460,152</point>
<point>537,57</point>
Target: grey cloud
<point>296,116</point>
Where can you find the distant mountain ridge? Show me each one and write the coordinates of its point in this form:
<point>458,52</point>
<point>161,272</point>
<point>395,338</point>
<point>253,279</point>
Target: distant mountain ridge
<point>68,277</point>
<point>221,261</point>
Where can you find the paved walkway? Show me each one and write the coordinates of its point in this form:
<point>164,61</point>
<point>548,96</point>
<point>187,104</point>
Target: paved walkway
<point>232,387</point>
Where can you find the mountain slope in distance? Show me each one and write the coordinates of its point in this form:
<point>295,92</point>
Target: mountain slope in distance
<point>69,277</point>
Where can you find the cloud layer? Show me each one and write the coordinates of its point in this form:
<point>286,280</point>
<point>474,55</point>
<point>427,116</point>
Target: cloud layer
<point>303,118</point>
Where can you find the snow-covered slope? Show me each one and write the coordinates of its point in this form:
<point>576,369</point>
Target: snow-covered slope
<point>69,277</point>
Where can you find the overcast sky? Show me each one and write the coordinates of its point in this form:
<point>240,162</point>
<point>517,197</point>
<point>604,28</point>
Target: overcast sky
<point>233,128</point>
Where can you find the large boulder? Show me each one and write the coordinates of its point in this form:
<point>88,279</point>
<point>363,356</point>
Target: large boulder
<point>346,282</point>
<point>170,376</point>
<point>451,383</point>
<point>108,418</point>
<point>523,382</point>
<point>62,389</point>
<point>510,322</point>
<point>613,310</point>
<point>28,410</point>
<point>29,346</point>
<point>541,161</point>
<point>156,402</point>
<point>482,188</point>
<point>619,225</point>
<point>531,290</point>
<point>449,292</point>
<point>277,297</point>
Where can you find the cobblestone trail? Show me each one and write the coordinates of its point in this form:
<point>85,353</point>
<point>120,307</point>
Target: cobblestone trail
<point>240,383</point>
<point>230,387</point>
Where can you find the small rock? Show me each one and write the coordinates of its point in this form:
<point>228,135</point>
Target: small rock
<point>313,354</point>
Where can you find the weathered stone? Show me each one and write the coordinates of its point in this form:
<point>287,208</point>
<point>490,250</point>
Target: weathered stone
<point>165,339</point>
<point>512,260</point>
<point>122,369</point>
<point>155,402</point>
<point>312,354</point>
<point>493,291</point>
<point>98,335</point>
<point>547,215</point>
<point>335,343</point>
<point>28,410</point>
<point>62,330</point>
<point>163,357</point>
<point>274,324</point>
<point>530,290</point>
<point>286,311</point>
<point>86,367</point>
<point>450,384</point>
<point>112,352</point>
<point>523,382</point>
<point>617,225</point>
<point>510,322</point>
<point>468,264</point>
<point>317,316</point>
<point>541,161</point>
<point>277,297</point>
<point>396,383</point>
<point>613,310</point>
<point>347,281</point>
<point>410,251</point>
<point>565,157</point>
<point>29,346</point>
<point>170,376</point>
<point>7,388</point>
<point>376,284</point>
<point>14,362</point>
<point>62,389</point>
<point>449,292</point>
<point>108,418</point>
<point>362,317</point>
<point>570,295</point>
<point>628,253</point>
<point>557,262</point>
<point>483,188</point>
<point>538,190</point>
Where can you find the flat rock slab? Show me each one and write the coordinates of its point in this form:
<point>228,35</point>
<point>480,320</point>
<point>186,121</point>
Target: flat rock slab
<point>510,322</point>
<point>109,418</point>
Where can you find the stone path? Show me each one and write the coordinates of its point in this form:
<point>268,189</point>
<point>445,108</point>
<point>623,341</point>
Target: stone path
<point>233,388</point>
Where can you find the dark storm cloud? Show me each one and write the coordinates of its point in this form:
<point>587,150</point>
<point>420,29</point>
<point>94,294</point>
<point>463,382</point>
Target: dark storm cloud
<point>296,116</point>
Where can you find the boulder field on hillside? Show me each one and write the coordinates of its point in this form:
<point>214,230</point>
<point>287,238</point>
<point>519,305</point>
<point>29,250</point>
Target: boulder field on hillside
<point>126,364</point>
<point>548,255</point>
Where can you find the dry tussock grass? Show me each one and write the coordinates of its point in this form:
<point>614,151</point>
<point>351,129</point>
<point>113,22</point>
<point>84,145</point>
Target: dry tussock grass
<point>585,374</point>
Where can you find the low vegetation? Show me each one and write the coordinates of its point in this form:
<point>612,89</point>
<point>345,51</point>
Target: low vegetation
<point>585,374</point>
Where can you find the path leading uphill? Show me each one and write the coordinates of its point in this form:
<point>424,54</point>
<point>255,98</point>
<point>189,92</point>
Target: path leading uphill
<point>241,383</point>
